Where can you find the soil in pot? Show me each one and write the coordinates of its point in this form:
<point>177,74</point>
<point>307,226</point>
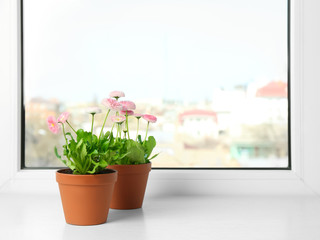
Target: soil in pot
<point>86,198</point>
<point>130,187</point>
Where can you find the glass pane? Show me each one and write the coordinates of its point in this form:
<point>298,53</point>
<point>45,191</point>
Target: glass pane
<point>213,72</point>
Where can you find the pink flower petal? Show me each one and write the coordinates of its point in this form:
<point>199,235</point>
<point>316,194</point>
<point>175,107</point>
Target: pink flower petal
<point>116,94</point>
<point>137,115</point>
<point>149,118</point>
<point>127,105</point>
<point>129,112</point>
<point>93,110</point>
<point>118,119</point>
<point>112,104</point>
<point>63,117</point>
<point>52,124</point>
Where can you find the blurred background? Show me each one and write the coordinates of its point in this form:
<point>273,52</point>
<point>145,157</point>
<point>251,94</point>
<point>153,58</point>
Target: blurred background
<point>215,76</point>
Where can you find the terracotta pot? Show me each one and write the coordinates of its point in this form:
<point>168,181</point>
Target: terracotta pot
<point>86,198</point>
<point>131,185</point>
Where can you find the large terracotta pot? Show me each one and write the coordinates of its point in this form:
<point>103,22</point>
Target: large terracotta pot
<point>86,198</point>
<point>131,185</point>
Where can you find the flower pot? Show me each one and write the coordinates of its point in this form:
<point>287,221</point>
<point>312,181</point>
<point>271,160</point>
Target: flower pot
<point>86,198</point>
<point>131,185</point>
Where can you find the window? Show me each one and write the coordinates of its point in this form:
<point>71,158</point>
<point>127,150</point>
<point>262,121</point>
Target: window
<point>214,72</point>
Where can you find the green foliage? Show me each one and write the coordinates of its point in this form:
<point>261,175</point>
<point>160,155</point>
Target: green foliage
<point>127,151</point>
<point>86,154</point>
<point>145,148</point>
<point>135,152</point>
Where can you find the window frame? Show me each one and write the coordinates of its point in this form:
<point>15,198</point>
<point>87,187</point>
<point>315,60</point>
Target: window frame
<point>175,169</point>
<point>301,180</point>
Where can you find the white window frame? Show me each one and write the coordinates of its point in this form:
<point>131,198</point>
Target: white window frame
<point>212,181</point>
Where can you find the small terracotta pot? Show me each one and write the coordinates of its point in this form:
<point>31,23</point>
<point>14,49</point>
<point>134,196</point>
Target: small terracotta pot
<point>131,185</point>
<point>86,198</point>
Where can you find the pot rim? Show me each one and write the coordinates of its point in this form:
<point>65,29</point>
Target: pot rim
<point>132,169</point>
<point>89,179</point>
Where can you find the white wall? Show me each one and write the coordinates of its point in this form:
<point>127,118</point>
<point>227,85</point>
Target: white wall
<point>7,83</point>
<point>311,93</point>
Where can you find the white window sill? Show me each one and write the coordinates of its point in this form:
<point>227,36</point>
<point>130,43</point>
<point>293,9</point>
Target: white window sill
<point>31,209</point>
<point>230,182</point>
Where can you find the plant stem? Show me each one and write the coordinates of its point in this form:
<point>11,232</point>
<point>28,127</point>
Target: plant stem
<point>92,126</point>
<point>65,137</point>
<point>71,127</point>
<point>104,122</point>
<point>64,134</point>
<point>127,124</point>
<point>112,128</point>
<point>146,132</point>
<point>117,132</point>
<point>137,129</point>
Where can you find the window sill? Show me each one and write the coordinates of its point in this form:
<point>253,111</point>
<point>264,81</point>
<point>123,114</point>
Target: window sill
<point>32,209</point>
<point>204,182</point>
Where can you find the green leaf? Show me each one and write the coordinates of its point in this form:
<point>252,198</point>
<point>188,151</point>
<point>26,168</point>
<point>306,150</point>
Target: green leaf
<point>135,152</point>
<point>123,155</point>
<point>96,165</point>
<point>79,144</point>
<point>94,139</point>
<point>59,157</point>
<point>56,152</point>
<point>139,139</point>
<point>105,146</point>
<point>69,134</point>
<point>95,152</point>
<point>70,165</point>
<point>83,152</point>
<point>106,135</point>
<point>149,146</point>
<point>153,156</point>
<point>80,134</point>
<point>84,136</point>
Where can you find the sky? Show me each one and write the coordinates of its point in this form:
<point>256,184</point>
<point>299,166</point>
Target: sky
<point>170,49</point>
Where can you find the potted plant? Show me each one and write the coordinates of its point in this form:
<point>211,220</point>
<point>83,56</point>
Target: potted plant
<point>86,186</point>
<point>132,155</point>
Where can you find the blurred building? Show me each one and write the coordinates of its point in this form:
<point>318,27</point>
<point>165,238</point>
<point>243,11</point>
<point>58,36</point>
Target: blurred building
<point>274,89</point>
<point>258,127</point>
<point>199,127</point>
<point>41,108</point>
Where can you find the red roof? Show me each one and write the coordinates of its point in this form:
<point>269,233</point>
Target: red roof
<point>276,89</point>
<point>199,113</point>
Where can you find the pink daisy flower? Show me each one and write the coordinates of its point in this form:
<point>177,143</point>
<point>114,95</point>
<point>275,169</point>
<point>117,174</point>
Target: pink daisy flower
<point>149,118</point>
<point>128,105</point>
<point>118,119</point>
<point>52,124</point>
<point>116,94</point>
<point>63,117</point>
<point>93,110</point>
<point>129,112</point>
<point>137,115</point>
<point>111,104</point>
